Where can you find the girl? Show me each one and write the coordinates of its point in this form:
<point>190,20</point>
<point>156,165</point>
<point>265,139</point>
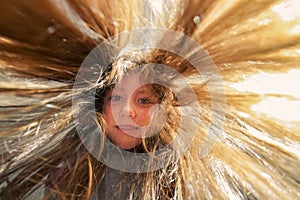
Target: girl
<point>256,155</point>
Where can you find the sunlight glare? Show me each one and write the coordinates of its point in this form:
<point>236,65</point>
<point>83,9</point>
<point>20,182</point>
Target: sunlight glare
<point>275,84</point>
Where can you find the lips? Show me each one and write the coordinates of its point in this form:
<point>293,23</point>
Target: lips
<point>127,127</point>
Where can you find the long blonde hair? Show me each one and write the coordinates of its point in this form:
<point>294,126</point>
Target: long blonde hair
<point>255,154</point>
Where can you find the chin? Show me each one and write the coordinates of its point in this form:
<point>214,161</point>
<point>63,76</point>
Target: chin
<point>127,145</point>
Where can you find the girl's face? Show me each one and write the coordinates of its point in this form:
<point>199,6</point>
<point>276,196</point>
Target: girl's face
<point>127,111</point>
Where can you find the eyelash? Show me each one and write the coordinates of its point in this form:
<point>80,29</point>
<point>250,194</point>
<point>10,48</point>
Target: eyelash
<point>144,99</point>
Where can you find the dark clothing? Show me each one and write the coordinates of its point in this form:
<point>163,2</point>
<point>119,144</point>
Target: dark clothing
<point>117,185</point>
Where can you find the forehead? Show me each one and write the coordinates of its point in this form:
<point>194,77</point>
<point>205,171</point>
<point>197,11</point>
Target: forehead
<point>130,82</point>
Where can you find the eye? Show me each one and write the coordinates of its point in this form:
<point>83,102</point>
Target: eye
<point>144,101</point>
<point>116,98</point>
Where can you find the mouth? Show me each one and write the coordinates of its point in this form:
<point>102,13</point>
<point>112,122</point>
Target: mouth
<point>127,127</point>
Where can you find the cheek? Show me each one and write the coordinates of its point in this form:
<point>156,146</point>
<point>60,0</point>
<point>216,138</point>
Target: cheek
<point>107,111</point>
<point>144,115</point>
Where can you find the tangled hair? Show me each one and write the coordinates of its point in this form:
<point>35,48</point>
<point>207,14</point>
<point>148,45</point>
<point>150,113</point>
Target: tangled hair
<point>239,151</point>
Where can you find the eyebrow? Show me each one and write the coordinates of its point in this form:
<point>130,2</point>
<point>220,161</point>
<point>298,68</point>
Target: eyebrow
<point>122,88</point>
<point>148,93</point>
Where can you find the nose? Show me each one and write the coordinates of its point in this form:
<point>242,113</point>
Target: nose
<point>128,111</point>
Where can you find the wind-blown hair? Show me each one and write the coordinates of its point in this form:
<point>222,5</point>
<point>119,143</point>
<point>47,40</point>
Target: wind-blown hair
<point>255,154</point>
